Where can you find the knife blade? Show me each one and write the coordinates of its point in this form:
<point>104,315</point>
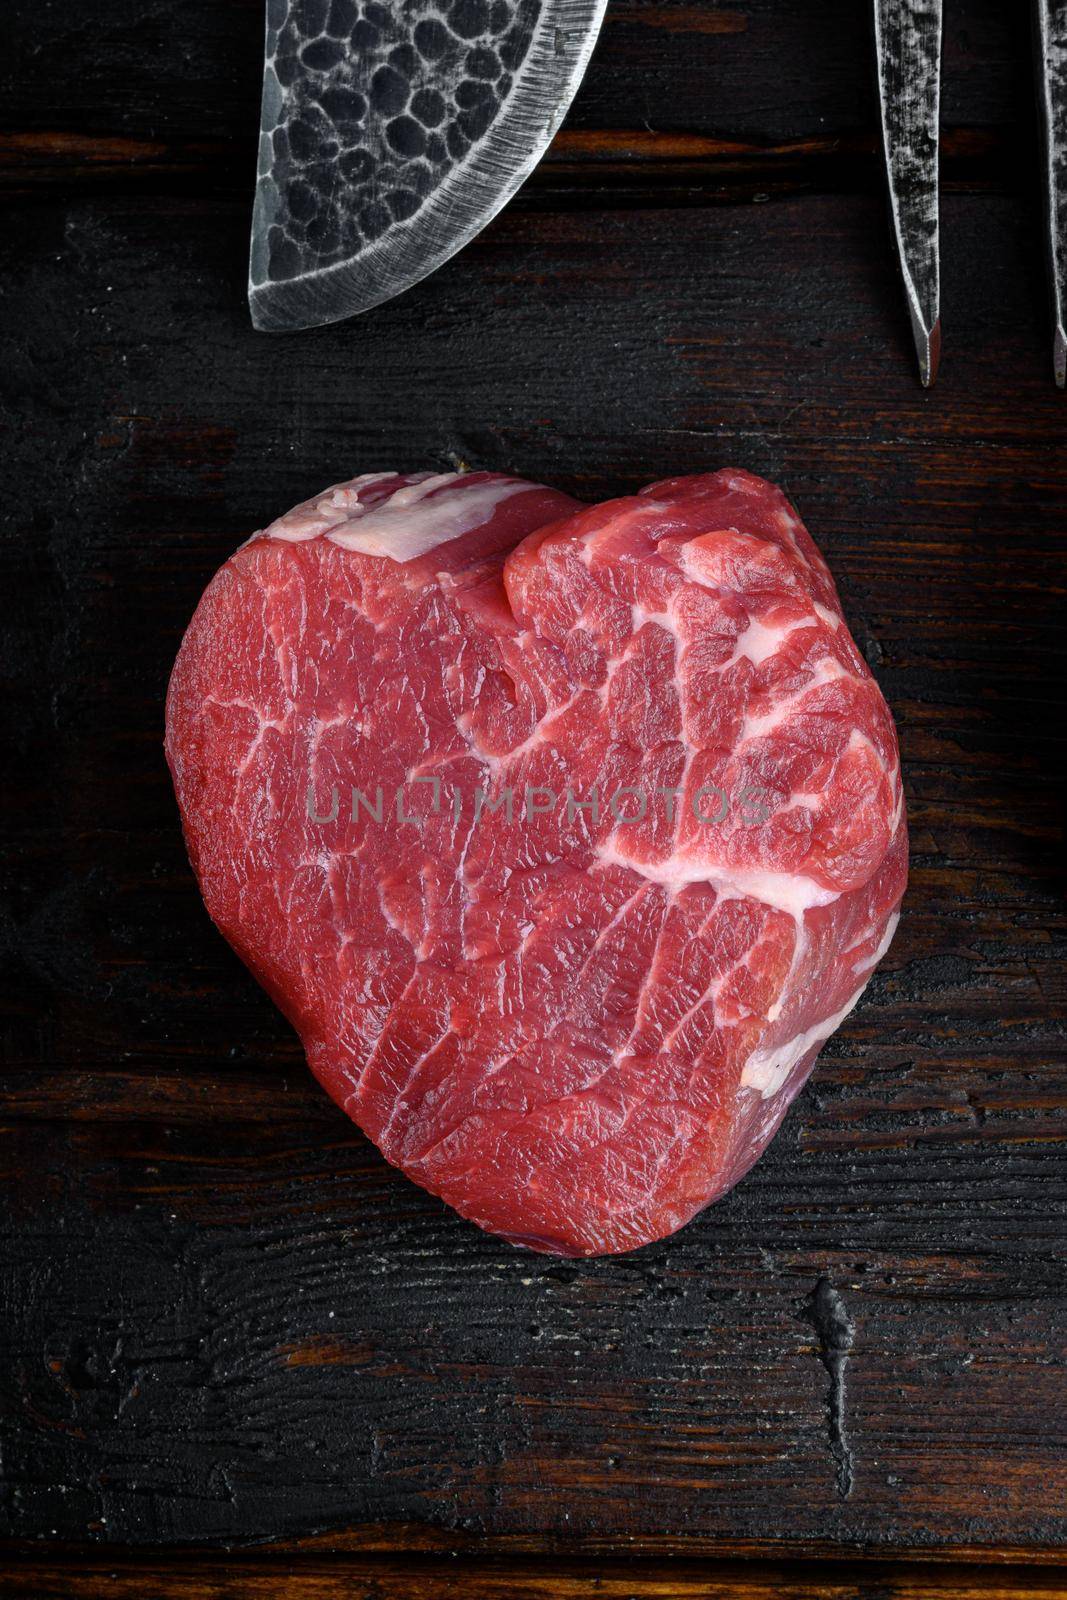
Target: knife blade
<point>1052,94</point>
<point>908,49</point>
<point>390,134</point>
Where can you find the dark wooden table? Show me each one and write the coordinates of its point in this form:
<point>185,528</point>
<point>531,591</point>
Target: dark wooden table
<point>241,1354</point>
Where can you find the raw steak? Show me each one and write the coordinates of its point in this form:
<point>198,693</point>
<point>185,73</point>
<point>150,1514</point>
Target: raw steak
<point>563,836</point>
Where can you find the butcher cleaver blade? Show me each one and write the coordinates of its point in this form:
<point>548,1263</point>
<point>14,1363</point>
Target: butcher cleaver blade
<point>391,133</point>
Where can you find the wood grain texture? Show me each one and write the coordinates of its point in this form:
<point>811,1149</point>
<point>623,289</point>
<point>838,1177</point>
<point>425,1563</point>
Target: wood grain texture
<point>153,94</point>
<point>179,1578</point>
<point>224,1318</point>
<point>228,1317</point>
<point>750,68</point>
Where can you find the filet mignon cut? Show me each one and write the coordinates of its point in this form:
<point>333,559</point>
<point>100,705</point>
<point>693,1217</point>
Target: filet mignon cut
<point>564,836</point>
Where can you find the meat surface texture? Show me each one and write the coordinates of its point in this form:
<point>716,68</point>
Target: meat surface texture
<point>563,835</point>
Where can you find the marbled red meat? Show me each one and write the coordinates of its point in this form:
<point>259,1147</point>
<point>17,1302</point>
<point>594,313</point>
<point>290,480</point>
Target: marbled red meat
<point>564,836</point>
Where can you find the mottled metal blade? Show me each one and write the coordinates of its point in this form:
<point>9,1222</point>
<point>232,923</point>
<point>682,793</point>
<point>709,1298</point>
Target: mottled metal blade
<point>908,44</point>
<point>391,133</point>
<point>1052,92</point>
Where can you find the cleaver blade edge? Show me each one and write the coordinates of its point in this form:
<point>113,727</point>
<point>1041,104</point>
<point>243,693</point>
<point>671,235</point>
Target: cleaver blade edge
<point>391,135</point>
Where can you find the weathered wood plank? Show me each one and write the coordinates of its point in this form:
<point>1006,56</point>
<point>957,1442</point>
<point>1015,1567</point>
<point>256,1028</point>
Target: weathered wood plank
<point>179,1579</point>
<point>753,67</point>
<point>610,167</point>
<point>226,1318</point>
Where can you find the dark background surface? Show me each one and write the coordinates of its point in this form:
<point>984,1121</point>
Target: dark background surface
<point>224,1318</point>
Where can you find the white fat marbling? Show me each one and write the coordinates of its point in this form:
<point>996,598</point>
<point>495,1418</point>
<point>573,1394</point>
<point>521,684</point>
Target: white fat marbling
<point>318,516</point>
<point>405,525</point>
<point>792,892</point>
<point>767,1070</point>
<point>870,962</point>
<point>759,641</point>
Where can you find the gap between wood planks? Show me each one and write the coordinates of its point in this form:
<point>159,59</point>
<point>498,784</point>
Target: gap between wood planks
<point>615,166</point>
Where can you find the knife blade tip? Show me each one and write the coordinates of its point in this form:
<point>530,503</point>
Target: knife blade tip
<point>928,351</point>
